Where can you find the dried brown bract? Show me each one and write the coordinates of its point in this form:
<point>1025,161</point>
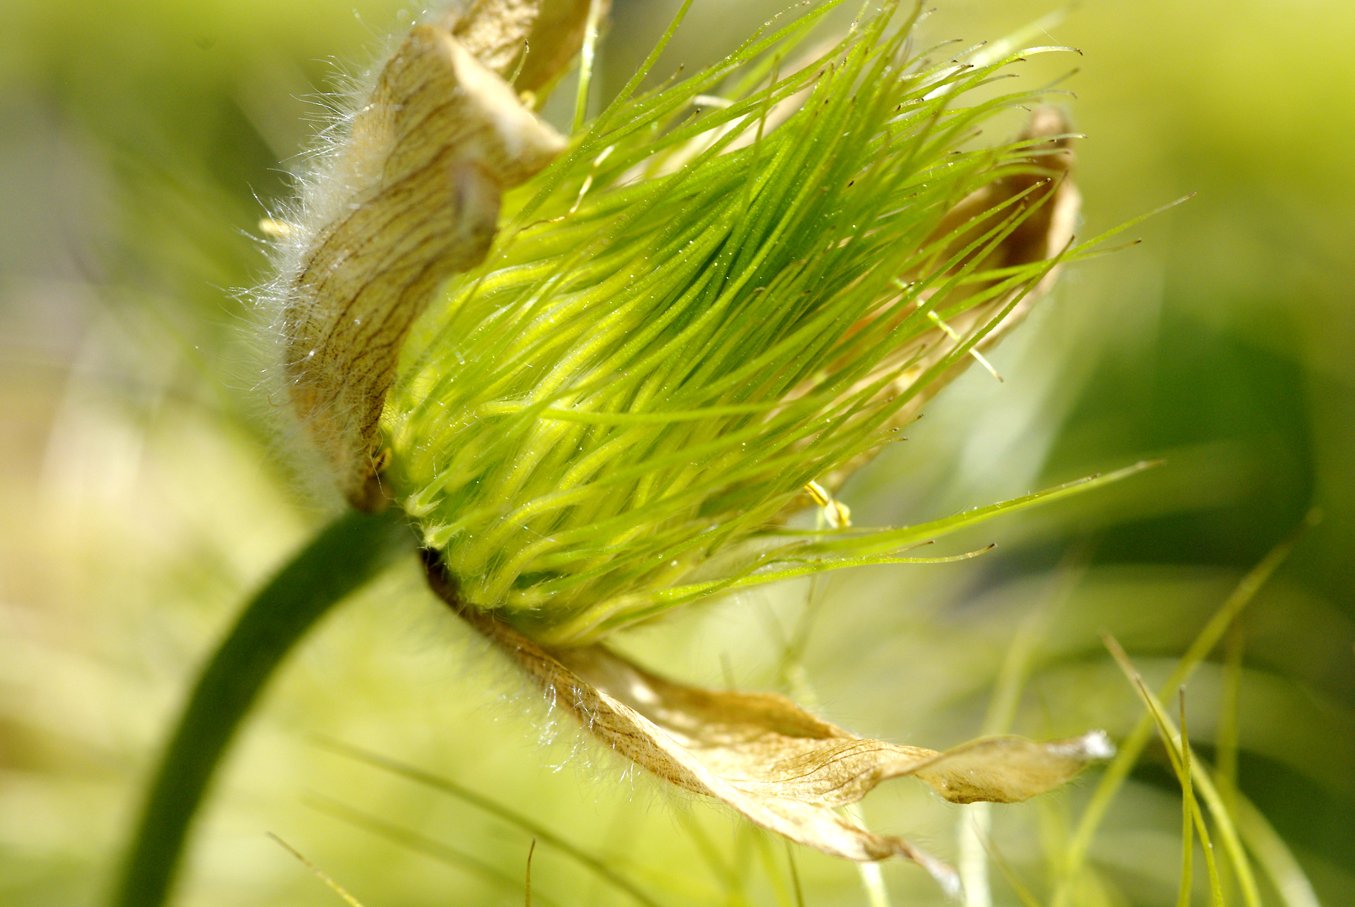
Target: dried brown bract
<point>766,757</point>
<point>530,42</point>
<point>410,198</point>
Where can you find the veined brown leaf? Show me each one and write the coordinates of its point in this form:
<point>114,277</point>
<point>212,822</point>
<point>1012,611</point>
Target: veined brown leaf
<point>766,757</point>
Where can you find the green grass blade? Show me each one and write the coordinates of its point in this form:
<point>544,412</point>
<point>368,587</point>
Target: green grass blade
<point>538,831</point>
<point>1115,774</point>
<point>443,853</point>
<point>1273,855</point>
<point>1186,769</point>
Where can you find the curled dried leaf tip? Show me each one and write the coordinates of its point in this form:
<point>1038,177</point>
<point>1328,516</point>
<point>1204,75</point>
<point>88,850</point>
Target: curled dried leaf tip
<point>530,42</point>
<point>410,198</point>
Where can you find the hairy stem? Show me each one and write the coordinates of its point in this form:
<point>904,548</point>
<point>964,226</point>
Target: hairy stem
<point>352,550</point>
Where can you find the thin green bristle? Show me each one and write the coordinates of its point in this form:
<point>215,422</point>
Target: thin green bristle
<point>695,313</point>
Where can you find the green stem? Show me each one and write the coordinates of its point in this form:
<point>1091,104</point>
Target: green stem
<point>348,553</point>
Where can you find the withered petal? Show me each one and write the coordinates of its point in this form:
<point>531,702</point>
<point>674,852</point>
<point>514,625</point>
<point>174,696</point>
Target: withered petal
<point>530,42</point>
<point>415,199</point>
<point>766,757</point>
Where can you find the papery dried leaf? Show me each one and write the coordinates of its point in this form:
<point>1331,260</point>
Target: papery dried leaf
<point>416,199</point>
<point>769,759</point>
<point>530,42</point>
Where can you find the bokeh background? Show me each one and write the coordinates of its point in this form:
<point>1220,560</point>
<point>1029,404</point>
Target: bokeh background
<point>144,490</point>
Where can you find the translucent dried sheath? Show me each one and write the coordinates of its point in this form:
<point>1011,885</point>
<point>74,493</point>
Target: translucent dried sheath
<point>415,198</point>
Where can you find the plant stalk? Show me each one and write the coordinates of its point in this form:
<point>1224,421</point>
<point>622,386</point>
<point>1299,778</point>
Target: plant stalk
<point>340,559</point>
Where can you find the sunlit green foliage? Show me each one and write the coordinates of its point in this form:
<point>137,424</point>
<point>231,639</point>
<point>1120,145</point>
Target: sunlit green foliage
<point>144,497</point>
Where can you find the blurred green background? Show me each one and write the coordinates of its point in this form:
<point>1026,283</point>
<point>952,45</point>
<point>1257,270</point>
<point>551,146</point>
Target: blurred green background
<point>146,491</point>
